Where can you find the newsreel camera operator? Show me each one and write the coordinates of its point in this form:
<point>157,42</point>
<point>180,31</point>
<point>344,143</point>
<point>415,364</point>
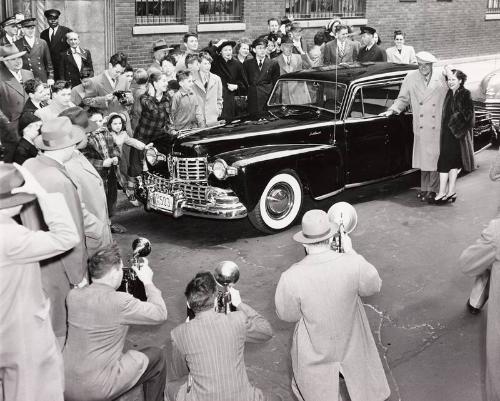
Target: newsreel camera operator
<point>209,348</point>
<point>334,356</point>
<point>96,367</point>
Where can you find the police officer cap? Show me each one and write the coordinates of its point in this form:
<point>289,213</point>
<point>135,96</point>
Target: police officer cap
<point>259,41</point>
<point>368,29</point>
<point>27,22</point>
<point>9,21</point>
<point>52,13</point>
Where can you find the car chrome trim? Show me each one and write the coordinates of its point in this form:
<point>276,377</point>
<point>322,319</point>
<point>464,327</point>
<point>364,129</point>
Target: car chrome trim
<point>269,132</point>
<point>279,154</point>
<point>389,177</point>
<point>330,194</point>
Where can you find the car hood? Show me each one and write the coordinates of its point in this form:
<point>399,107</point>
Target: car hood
<point>489,89</point>
<point>245,133</point>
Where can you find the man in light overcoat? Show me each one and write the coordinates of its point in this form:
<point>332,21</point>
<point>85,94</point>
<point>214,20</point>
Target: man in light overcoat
<point>332,338</point>
<point>477,259</point>
<point>425,90</point>
<point>31,367</point>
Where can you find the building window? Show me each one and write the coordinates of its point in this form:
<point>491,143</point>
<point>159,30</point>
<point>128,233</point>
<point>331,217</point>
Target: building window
<point>157,12</point>
<point>318,9</point>
<point>220,10</point>
<point>493,7</point>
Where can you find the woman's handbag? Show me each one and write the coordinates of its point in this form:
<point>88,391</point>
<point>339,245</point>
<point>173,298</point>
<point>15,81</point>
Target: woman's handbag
<point>240,105</point>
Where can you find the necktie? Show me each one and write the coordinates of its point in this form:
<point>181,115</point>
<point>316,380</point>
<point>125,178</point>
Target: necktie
<point>260,64</point>
<point>341,51</point>
<point>288,60</point>
<point>52,35</point>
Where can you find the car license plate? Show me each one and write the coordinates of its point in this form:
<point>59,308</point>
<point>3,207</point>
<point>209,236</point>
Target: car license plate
<point>163,201</point>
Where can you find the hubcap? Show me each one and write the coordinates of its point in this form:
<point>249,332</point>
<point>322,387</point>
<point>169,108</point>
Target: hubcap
<point>279,200</point>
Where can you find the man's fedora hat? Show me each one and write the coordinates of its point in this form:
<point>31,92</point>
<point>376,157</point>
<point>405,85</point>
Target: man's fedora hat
<point>11,178</point>
<point>9,52</point>
<point>161,45</point>
<point>315,227</point>
<point>25,23</point>
<point>286,40</point>
<point>52,13</point>
<point>9,21</point>
<point>59,133</point>
<point>425,58</point>
<point>78,116</point>
<point>368,29</point>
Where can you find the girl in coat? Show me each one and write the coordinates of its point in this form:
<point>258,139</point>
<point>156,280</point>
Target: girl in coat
<point>456,151</point>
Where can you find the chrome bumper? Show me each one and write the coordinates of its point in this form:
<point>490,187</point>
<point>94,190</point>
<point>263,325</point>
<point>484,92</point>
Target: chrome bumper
<point>190,198</point>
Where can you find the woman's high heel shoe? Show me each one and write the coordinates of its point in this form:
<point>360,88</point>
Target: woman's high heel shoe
<point>452,198</point>
<point>439,201</point>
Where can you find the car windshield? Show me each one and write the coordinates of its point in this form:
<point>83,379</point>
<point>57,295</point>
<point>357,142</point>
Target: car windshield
<point>319,94</point>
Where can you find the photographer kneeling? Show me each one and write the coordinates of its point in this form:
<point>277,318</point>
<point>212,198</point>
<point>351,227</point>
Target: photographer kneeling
<point>98,319</point>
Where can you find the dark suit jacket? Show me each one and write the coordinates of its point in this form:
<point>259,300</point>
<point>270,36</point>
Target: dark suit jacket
<point>99,87</point>
<point>210,349</point>
<point>37,59</point>
<point>260,83</point>
<point>330,52</point>
<point>12,99</point>
<point>374,54</point>
<point>27,116</point>
<point>69,70</point>
<point>57,46</point>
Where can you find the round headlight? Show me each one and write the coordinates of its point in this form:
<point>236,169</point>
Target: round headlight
<point>152,156</point>
<point>220,169</point>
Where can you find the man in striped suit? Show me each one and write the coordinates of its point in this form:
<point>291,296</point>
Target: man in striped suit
<point>209,348</point>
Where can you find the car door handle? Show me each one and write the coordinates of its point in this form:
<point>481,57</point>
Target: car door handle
<point>314,133</point>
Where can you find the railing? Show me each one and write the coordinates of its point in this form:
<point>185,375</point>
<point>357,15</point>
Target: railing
<point>156,12</point>
<point>220,10</point>
<point>493,7</point>
<point>318,9</point>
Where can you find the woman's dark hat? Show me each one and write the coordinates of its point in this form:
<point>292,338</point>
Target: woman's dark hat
<point>52,13</point>
<point>11,178</point>
<point>231,43</point>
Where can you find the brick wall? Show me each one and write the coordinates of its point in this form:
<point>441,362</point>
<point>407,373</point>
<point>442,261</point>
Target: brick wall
<point>447,29</point>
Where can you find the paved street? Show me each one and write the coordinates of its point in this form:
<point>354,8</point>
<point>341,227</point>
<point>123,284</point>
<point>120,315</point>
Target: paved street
<point>431,347</point>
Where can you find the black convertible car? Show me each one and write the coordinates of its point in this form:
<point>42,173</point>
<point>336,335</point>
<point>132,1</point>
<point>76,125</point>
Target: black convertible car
<point>321,135</point>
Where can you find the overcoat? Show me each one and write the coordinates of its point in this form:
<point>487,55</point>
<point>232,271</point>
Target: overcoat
<point>330,53</point>
<point>407,55</point>
<point>90,189</point>
<point>427,106</point>
<point>375,53</point>
<point>461,122</point>
<point>28,349</point>
<point>69,69</point>
<point>332,335</point>
<point>260,83</point>
<point>71,267</point>
<point>12,100</point>
<point>37,58</point>
<point>57,46</point>
<point>209,98</point>
<point>24,150</point>
<point>295,63</point>
<point>95,366</point>
<point>474,261</point>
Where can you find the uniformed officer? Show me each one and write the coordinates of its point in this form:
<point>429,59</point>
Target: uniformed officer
<point>37,58</point>
<point>9,25</point>
<point>370,50</point>
<point>425,91</point>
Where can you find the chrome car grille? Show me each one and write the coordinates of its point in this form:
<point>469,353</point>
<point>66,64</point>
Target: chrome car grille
<point>189,169</point>
<point>492,108</point>
<point>194,192</point>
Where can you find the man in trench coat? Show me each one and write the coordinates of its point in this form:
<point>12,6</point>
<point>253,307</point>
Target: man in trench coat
<point>332,336</point>
<point>476,260</point>
<point>425,90</point>
<point>58,140</point>
<point>31,366</point>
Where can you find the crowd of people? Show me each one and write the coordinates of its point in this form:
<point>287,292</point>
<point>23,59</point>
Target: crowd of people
<point>72,139</point>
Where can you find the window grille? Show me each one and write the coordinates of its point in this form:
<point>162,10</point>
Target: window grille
<point>220,11</point>
<point>493,7</point>
<point>318,9</point>
<point>158,12</point>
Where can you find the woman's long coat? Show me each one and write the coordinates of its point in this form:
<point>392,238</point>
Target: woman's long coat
<point>461,123</point>
<point>427,105</point>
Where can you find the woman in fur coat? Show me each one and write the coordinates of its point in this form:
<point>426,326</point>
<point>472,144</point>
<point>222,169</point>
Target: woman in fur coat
<point>456,150</point>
